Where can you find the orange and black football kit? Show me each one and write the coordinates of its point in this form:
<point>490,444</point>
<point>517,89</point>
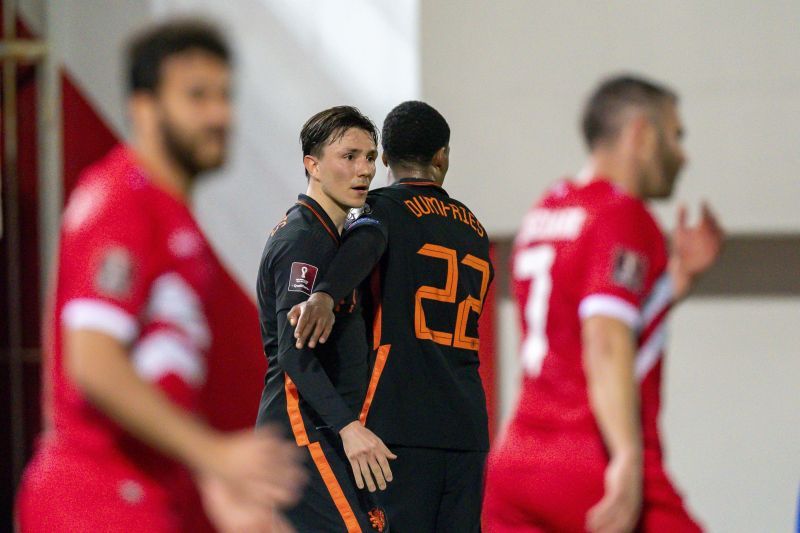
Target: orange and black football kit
<point>424,261</point>
<point>314,393</point>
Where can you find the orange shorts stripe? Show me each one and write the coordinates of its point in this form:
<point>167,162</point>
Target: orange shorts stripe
<point>335,490</point>
<point>380,362</point>
<point>293,408</point>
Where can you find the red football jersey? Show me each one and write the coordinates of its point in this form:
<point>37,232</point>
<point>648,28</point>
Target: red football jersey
<point>587,249</point>
<point>133,264</point>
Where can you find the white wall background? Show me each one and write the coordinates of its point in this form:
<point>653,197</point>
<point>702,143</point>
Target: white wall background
<point>293,59</point>
<point>510,77</point>
<point>730,416</point>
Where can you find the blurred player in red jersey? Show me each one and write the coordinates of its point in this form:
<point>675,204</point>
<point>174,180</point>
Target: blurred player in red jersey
<point>594,282</point>
<point>127,333</point>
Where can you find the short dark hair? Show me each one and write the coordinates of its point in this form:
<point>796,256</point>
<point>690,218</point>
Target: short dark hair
<point>330,125</point>
<point>601,116</point>
<point>148,49</point>
<point>413,132</point>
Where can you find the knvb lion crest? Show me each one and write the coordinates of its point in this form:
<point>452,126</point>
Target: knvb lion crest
<point>377,519</point>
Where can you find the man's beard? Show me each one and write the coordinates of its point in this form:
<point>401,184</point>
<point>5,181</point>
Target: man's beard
<point>183,149</point>
<point>670,167</point>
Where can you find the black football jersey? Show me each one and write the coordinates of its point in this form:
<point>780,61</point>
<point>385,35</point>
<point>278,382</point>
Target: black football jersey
<point>423,302</point>
<point>309,389</point>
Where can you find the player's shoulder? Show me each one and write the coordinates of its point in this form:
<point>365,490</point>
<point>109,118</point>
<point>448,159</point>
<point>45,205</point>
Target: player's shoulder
<point>111,190</point>
<point>379,203</point>
<point>612,211</point>
<point>384,195</point>
<point>607,201</point>
<point>296,233</point>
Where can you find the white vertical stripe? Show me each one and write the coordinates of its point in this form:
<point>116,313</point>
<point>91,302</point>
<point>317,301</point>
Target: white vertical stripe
<point>651,351</point>
<point>611,306</point>
<point>163,353</point>
<point>99,315</point>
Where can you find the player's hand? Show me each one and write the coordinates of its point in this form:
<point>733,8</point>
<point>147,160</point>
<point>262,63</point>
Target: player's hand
<point>618,511</point>
<point>313,320</point>
<point>280,524</point>
<point>368,456</point>
<point>258,466</point>
<point>694,248</point>
<point>234,513</point>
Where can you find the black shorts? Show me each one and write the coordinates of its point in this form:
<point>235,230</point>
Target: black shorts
<point>435,490</point>
<point>331,501</point>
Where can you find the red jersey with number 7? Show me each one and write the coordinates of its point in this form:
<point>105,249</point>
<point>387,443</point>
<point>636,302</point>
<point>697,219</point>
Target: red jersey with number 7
<point>587,249</point>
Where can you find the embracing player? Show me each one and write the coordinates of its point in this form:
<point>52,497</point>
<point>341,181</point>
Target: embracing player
<point>316,394</point>
<point>427,258</point>
<point>595,282</point>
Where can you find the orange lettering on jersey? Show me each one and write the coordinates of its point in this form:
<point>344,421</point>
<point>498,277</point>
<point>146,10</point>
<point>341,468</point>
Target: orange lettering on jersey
<point>462,340</point>
<point>424,208</point>
<point>413,208</point>
<point>429,205</point>
<point>456,212</point>
<point>448,294</point>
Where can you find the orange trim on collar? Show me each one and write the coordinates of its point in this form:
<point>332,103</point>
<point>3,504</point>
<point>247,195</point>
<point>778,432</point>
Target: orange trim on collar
<point>333,235</point>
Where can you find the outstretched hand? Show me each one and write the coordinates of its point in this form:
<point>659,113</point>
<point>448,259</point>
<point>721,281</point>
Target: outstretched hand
<point>368,455</point>
<point>694,248</point>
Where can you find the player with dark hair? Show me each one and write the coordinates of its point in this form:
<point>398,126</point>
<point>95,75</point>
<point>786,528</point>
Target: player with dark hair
<point>316,394</point>
<point>128,335</point>
<point>595,282</point>
<point>428,256</point>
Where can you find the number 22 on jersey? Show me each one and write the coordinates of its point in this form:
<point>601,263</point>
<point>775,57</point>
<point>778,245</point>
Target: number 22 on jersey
<point>535,264</point>
<point>459,338</point>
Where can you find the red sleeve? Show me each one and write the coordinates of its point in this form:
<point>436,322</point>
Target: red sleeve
<point>619,256</point>
<point>106,265</point>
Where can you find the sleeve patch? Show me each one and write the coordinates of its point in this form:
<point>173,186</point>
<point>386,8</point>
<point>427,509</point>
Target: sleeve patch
<point>302,278</point>
<point>363,221</point>
<point>629,269</point>
<point>114,278</point>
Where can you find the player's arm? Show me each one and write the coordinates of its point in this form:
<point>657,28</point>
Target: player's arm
<point>618,254</point>
<point>367,453</point>
<point>360,252</point>
<point>107,283</point>
<point>608,355</point>
<point>260,465</point>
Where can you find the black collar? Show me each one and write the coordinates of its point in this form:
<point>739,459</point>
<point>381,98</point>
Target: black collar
<point>320,214</point>
<point>413,180</point>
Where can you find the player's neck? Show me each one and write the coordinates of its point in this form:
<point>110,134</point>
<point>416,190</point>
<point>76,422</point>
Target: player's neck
<point>615,167</point>
<point>430,173</point>
<point>162,170</point>
<point>335,211</point>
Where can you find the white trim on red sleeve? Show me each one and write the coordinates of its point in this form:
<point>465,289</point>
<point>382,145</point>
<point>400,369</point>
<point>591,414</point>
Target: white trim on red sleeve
<point>173,301</point>
<point>611,306</point>
<point>162,353</point>
<point>99,315</point>
<point>650,353</point>
<point>661,296</point>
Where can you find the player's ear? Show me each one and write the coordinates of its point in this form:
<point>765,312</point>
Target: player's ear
<point>385,159</point>
<point>638,135</point>
<point>441,159</point>
<point>142,113</point>
<point>312,164</point>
